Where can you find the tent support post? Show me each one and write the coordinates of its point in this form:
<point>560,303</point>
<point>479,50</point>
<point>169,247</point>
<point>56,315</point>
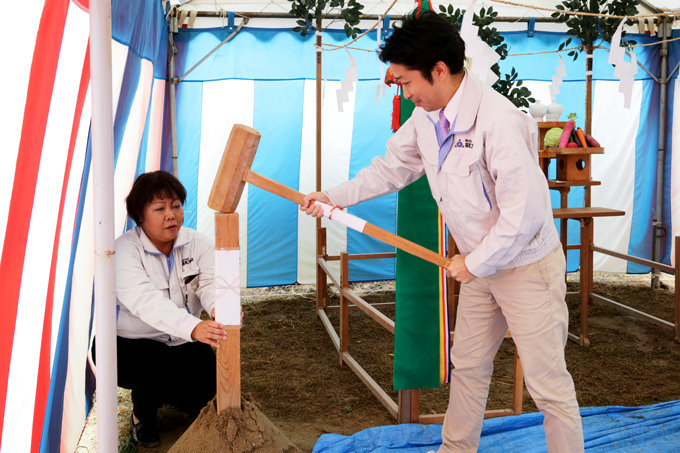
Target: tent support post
<point>318,49</point>
<point>102,164</point>
<point>658,228</point>
<point>172,82</point>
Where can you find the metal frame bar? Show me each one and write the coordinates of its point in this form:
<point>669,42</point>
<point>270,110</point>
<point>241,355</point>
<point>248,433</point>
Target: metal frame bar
<point>373,17</point>
<point>172,51</point>
<point>672,73</point>
<point>224,41</point>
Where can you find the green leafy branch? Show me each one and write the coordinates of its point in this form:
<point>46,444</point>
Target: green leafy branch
<point>512,89</point>
<point>310,13</point>
<point>592,30</point>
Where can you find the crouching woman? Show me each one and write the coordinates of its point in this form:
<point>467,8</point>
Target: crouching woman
<point>164,279</point>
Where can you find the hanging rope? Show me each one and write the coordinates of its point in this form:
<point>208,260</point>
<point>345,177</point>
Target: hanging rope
<point>366,32</point>
<point>583,13</point>
<point>594,47</point>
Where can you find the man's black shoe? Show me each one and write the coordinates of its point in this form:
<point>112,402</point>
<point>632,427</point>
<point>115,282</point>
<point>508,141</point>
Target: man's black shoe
<point>146,436</point>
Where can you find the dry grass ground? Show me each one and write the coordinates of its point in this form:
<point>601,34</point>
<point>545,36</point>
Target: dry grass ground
<point>291,371</point>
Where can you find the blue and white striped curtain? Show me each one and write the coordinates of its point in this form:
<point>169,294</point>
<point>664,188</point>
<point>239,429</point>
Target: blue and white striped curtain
<point>264,78</point>
<point>627,170</point>
<point>46,218</point>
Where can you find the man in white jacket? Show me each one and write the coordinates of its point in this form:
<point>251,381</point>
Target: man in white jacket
<point>479,154</point>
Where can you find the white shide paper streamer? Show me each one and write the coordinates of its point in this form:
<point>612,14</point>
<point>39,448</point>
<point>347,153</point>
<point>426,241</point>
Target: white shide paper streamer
<point>381,87</point>
<point>481,54</point>
<point>347,84</point>
<point>623,70</point>
<point>560,72</point>
<point>228,287</point>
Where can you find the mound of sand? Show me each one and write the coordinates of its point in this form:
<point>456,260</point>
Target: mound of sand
<point>242,430</point>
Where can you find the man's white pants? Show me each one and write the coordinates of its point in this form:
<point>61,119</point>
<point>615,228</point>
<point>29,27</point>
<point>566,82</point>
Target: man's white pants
<point>529,300</point>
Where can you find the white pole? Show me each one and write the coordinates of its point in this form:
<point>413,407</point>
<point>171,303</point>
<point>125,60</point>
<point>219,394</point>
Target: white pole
<point>102,164</point>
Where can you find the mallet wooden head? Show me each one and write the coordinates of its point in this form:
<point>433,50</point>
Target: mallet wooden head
<point>236,161</point>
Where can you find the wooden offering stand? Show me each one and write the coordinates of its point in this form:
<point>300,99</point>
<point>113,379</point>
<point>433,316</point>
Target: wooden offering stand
<point>573,169</point>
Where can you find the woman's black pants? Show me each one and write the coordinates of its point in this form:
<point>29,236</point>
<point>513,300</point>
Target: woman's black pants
<point>183,376</point>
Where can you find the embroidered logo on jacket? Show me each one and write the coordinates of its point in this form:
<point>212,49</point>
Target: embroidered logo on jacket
<point>460,144</point>
<point>186,261</point>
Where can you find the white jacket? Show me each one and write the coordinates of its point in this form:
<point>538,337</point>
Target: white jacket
<point>151,297</point>
<point>490,189</point>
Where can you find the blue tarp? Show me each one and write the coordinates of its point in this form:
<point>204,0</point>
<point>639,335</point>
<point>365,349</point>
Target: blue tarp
<point>653,428</point>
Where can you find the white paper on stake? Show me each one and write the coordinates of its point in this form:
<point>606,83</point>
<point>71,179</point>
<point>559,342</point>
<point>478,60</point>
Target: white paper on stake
<point>227,287</point>
<point>337,214</point>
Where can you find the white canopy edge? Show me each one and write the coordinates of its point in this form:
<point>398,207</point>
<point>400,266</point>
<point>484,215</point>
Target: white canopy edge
<point>516,16</point>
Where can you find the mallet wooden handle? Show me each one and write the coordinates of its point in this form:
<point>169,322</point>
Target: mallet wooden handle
<point>375,232</point>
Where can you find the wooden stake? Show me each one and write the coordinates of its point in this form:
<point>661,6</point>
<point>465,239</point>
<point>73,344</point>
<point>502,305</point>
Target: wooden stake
<point>586,277</point>
<point>229,352</point>
<point>408,406</point>
<point>229,370</point>
<point>344,305</point>
<point>321,278</point>
<point>319,30</point>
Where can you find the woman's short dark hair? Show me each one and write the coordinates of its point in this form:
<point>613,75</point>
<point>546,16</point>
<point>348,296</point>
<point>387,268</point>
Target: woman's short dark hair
<point>421,42</point>
<point>148,186</point>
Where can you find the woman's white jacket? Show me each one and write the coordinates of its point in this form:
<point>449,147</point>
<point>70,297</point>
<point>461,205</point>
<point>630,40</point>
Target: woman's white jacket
<point>161,297</point>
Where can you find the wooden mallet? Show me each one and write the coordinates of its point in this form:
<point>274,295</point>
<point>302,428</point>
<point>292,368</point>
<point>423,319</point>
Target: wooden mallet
<point>234,172</point>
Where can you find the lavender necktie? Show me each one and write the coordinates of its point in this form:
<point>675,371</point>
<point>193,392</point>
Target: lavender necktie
<point>443,138</point>
<point>443,124</point>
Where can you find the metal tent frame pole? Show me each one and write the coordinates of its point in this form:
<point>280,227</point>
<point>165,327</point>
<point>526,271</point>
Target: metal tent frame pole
<point>370,17</point>
<point>172,87</point>
<point>658,226</point>
<point>104,283</point>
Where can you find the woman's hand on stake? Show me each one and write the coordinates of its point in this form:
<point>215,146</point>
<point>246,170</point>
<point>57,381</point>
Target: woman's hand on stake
<point>209,332</point>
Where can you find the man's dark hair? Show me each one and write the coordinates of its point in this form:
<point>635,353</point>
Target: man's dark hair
<point>421,42</point>
<point>148,186</point>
